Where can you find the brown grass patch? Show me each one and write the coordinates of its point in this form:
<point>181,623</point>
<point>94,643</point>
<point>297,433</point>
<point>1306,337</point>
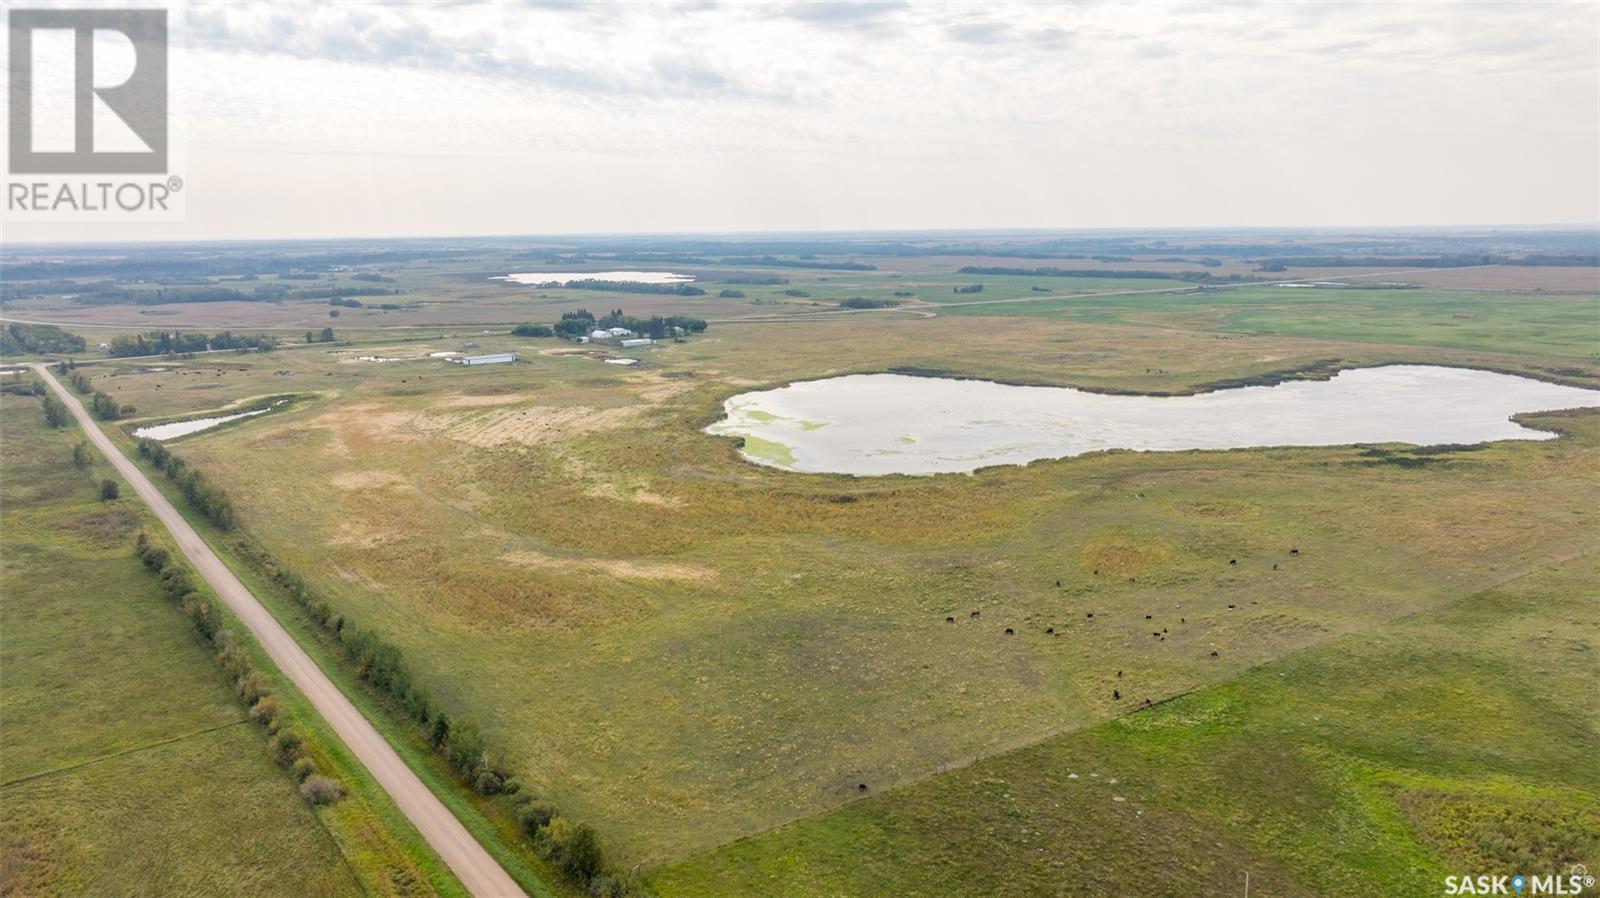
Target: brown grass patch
<point>360,480</point>
<point>100,526</point>
<point>530,425</point>
<point>1123,557</point>
<point>633,569</point>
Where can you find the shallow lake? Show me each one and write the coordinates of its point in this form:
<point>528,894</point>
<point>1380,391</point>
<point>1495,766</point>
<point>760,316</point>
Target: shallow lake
<point>567,277</point>
<point>871,424</point>
<point>176,429</point>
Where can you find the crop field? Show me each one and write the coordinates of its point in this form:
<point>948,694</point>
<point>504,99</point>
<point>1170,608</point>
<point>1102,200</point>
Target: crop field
<point>758,682</point>
<point>128,767</point>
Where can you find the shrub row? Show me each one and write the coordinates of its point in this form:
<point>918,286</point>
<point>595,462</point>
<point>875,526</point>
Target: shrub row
<point>207,498</point>
<point>381,665</point>
<point>284,744</point>
<point>55,411</point>
<point>34,387</point>
<point>572,847</point>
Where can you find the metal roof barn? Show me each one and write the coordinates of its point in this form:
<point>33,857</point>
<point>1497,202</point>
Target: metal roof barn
<point>498,358</point>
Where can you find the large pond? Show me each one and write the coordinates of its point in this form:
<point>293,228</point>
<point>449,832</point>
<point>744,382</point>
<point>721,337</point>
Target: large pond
<point>872,424</point>
<point>561,278</point>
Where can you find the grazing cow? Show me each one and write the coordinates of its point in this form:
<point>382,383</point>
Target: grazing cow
<point>861,787</point>
<point>949,620</point>
<point>1088,614</point>
<point>1294,551</point>
<point>1058,584</point>
<point>1155,634</point>
<point>1231,607</point>
<point>1119,674</point>
<point>1213,654</point>
<point>1163,629</point>
<point>1147,617</point>
<point>1147,701</point>
<point>1097,573</point>
<point>1116,694</point>
<point>1049,631</point>
<point>975,614</point>
<point>1183,620</point>
<point>1274,567</point>
<point>1010,632</point>
<point>1232,562</point>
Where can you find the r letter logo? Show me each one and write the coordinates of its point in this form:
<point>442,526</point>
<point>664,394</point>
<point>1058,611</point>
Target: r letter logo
<point>109,110</point>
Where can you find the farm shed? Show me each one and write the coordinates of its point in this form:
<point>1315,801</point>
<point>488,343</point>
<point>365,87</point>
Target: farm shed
<point>629,344</point>
<point>498,358</point>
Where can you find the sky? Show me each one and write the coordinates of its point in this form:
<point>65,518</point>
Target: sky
<point>308,120</point>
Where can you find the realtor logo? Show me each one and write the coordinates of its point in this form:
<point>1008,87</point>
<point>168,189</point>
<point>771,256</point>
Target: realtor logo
<point>76,107</point>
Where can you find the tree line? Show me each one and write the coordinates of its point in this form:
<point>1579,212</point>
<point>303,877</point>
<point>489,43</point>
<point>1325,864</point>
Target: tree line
<point>571,846</point>
<point>101,403</point>
<point>201,494</point>
<point>580,322</point>
<point>31,339</point>
<point>627,287</point>
<point>179,342</point>
<point>284,743</point>
<point>1130,273</point>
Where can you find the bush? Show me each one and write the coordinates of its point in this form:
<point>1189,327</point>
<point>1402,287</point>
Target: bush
<point>573,847</point>
<point>55,412</point>
<point>252,687</point>
<point>319,789</point>
<point>109,490</point>
<point>80,456</point>
<point>464,747</point>
<point>266,711</point>
<point>303,768</point>
<point>533,330</point>
<point>284,747</point>
<point>487,782</point>
<point>533,816</point>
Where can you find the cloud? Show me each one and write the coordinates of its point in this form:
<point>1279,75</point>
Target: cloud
<point>980,32</point>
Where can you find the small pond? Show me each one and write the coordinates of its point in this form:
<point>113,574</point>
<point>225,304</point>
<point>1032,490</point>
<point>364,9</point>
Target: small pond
<point>544,278</point>
<point>174,429</point>
<point>872,424</point>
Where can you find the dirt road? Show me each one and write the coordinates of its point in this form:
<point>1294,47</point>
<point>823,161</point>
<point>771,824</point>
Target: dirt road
<point>479,872</point>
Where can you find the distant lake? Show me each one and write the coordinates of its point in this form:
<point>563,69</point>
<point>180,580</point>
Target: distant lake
<point>873,424</point>
<point>535,278</point>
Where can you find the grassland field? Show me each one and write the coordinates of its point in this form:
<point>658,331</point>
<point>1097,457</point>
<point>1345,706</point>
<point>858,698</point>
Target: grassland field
<point>708,660</point>
<point>128,765</point>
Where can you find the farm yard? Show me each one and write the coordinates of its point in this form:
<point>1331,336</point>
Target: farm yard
<point>752,681</point>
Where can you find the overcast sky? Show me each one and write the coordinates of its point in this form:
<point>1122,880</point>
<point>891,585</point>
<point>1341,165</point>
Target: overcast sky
<point>444,119</point>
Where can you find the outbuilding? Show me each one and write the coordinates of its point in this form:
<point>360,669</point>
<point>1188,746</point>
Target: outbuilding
<point>498,358</point>
<point>599,334</point>
<point>642,341</point>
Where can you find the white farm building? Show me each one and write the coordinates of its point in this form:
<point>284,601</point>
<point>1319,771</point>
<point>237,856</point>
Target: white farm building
<point>642,341</point>
<point>498,358</point>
